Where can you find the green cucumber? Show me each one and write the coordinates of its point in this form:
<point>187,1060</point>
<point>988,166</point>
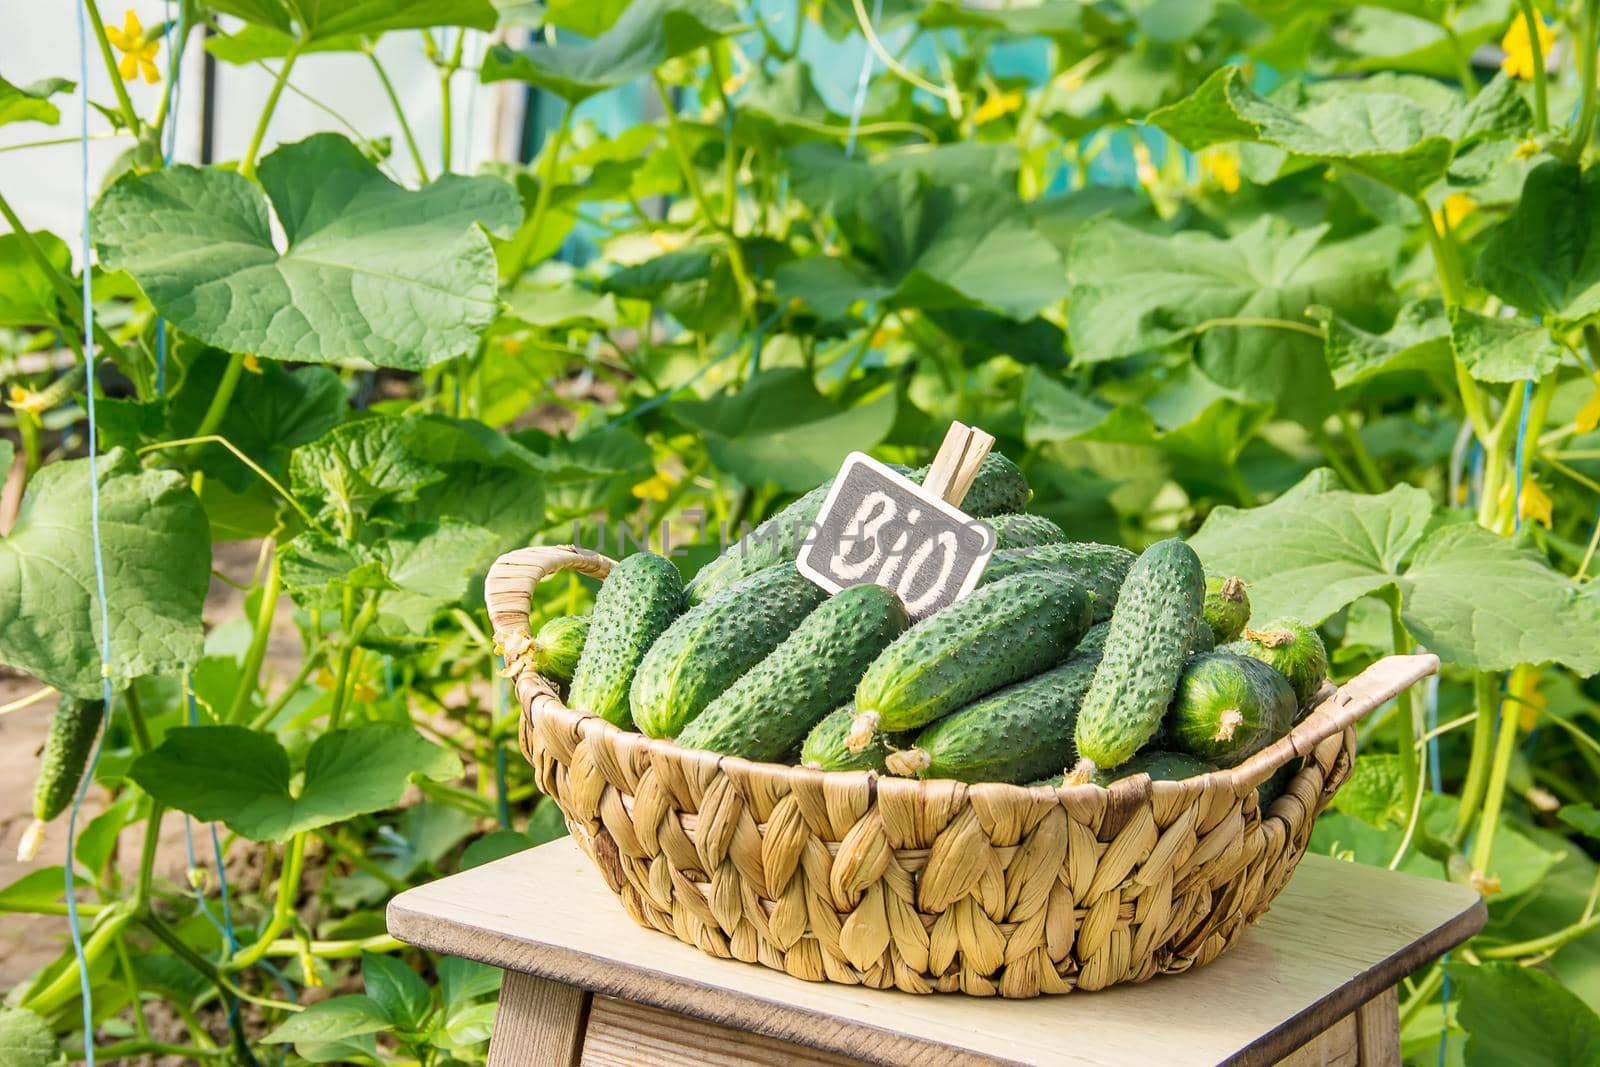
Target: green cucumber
<point>707,649</point>
<point>1227,607</point>
<point>557,646</point>
<point>998,488</point>
<point>824,748</point>
<point>772,708</point>
<point>67,746</point>
<point>1160,766</point>
<point>998,634</point>
<point>1228,707</point>
<point>1020,530</point>
<point>635,605</point>
<point>1205,638</point>
<point>1152,633</point>
<point>1012,735</point>
<point>1291,648</point>
<point>1099,568</point>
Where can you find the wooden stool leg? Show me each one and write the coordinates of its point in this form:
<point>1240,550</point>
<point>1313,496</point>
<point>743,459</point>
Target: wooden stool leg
<point>1378,1030</point>
<point>539,1022</point>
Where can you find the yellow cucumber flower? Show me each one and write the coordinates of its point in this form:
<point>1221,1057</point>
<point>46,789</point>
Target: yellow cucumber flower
<point>1456,207</point>
<point>138,54</point>
<point>1221,165</point>
<point>1589,415</point>
<point>657,487</point>
<point>1535,504</point>
<point>997,105</point>
<point>1518,62</point>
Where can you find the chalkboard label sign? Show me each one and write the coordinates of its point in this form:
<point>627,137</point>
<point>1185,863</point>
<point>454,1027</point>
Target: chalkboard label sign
<point>879,527</point>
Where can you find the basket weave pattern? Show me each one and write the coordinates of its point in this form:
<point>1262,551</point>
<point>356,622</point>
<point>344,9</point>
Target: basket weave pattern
<point>926,885</point>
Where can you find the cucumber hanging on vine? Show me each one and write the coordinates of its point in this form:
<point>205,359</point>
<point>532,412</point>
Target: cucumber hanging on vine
<point>61,766</point>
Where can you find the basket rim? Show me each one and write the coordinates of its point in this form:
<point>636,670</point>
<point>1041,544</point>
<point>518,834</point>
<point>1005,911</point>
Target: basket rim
<point>508,593</point>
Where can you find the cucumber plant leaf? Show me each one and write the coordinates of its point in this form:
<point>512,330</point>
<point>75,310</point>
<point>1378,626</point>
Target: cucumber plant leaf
<point>778,428</point>
<point>1559,216</point>
<point>1134,291</point>
<point>370,270</point>
<point>399,991</point>
<point>31,102</point>
<point>312,20</point>
<point>1418,340</point>
<point>157,552</point>
<point>243,778</point>
<point>1515,1014</point>
<point>1495,349</point>
<point>26,296</point>
<point>647,34</point>
<point>1477,599</point>
<point>333,1019</point>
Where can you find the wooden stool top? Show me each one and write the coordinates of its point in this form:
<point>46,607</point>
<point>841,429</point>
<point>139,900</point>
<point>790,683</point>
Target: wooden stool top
<point>1339,934</point>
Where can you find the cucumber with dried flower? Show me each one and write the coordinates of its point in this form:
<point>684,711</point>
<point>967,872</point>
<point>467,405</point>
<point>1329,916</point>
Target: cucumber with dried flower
<point>1227,607</point>
<point>67,746</point>
<point>557,646</point>
<point>1291,648</point>
<point>825,749</point>
<point>1228,707</point>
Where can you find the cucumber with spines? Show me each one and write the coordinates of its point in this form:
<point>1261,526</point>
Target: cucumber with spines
<point>1227,607</point>
<point>1018,529</point>
<point>557,646</point>
<point>635,605</point>
<point>1160,765</point>
<point>1152,633</point>
<point>73,729</point>
<point>997,634</point>
<point>1099,568</point>
<point>1228,707</point>
<point>1291,648</point>
<point>825,749</point>
<point>775,705</point>
<point>714,643</point>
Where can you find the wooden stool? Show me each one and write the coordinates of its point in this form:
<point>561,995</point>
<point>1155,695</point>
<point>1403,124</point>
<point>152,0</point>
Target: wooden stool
<point>1312,983</point>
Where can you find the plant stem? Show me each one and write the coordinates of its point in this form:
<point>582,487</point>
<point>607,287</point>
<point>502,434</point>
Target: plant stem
<point>307,665</point>
<point>65,985</point>
<point>283,907</point>
<point>399,114</point>
<point>446,118</point>
<point>1546,943</point>
<point>1523,678</point>
<point>218,408</point>
<point>335,950</point>
<point>1589,40</point>
<point>124,101</point>
<point>69,294</point>
<point>256,653</point>
<point>541,201</point>
<point>28,701</point>
<point>1364,461</point>
<point>1345,472</point>
<point>147,858</point>
<point>1485,684</point>
<point>358,629</point>
<point>247,164</point>
<point>1452,280</point>
<point>1405,703</point>
<point>1541,105</point>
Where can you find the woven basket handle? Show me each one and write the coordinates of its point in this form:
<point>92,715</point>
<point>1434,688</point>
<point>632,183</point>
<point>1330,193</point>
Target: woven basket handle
<point>1345,707</point>
<point>508,592</point>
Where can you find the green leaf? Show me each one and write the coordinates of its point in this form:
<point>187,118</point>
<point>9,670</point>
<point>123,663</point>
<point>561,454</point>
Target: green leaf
<point>1495,349</point>
<point>253,42</point>
<point>1558,216</point>
<point>778,428</point>
<point>39,891</point>
<point>1134,291</point>
<point>1477,599</point>
<point>398,990</point>
<point>648,34</point>
<point>1515,1014</point>
<point>1584,818</point>
<point>370,270</point>
<point>312,22</point>
<point>914,243</point>
<point>26,1040</point>
<point>27,297</point>
<point>31,103</point>
<point>242,777</point>
<point>1375,792</point>
<point>1418,340</point>
<point>332,1020</point>
<point>157,552</point>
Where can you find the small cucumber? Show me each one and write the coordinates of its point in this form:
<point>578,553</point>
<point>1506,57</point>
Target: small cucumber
<point>997,634</point>
<point>1012,735</point>
<point>824,748</point>
<point>635,605</point>
<point>1152,633</point>
<point>1228,707</point>
<point>1160,766</point>
<point>772,708</point>
<point>1227,607</point>
<point>1291,648</point>
<point>998,487</point>
<point>73,729</point>
<point>1021,530</point>
<point>707,649</point>
<point>1099,568</point>
<point>1205,638</point>
<point>557,646</point>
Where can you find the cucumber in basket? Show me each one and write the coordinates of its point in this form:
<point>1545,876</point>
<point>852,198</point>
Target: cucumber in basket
<point>1100,568</point>
<point>825,749</point>
<point>1152,632</point>
<point>998,634</point>
<point>1013,735</point>
<point>557,646</point>
<point>772,708</point>
<point>1227,607</point>
<point>706,650</point>
<point>1020,530</point>
<point>1228,707</point>
<point>1291,648</point>
<point>999,487</point>
<point>636,603</point>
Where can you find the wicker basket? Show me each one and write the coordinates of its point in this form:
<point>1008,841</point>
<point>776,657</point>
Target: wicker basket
<point>926,885</point>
